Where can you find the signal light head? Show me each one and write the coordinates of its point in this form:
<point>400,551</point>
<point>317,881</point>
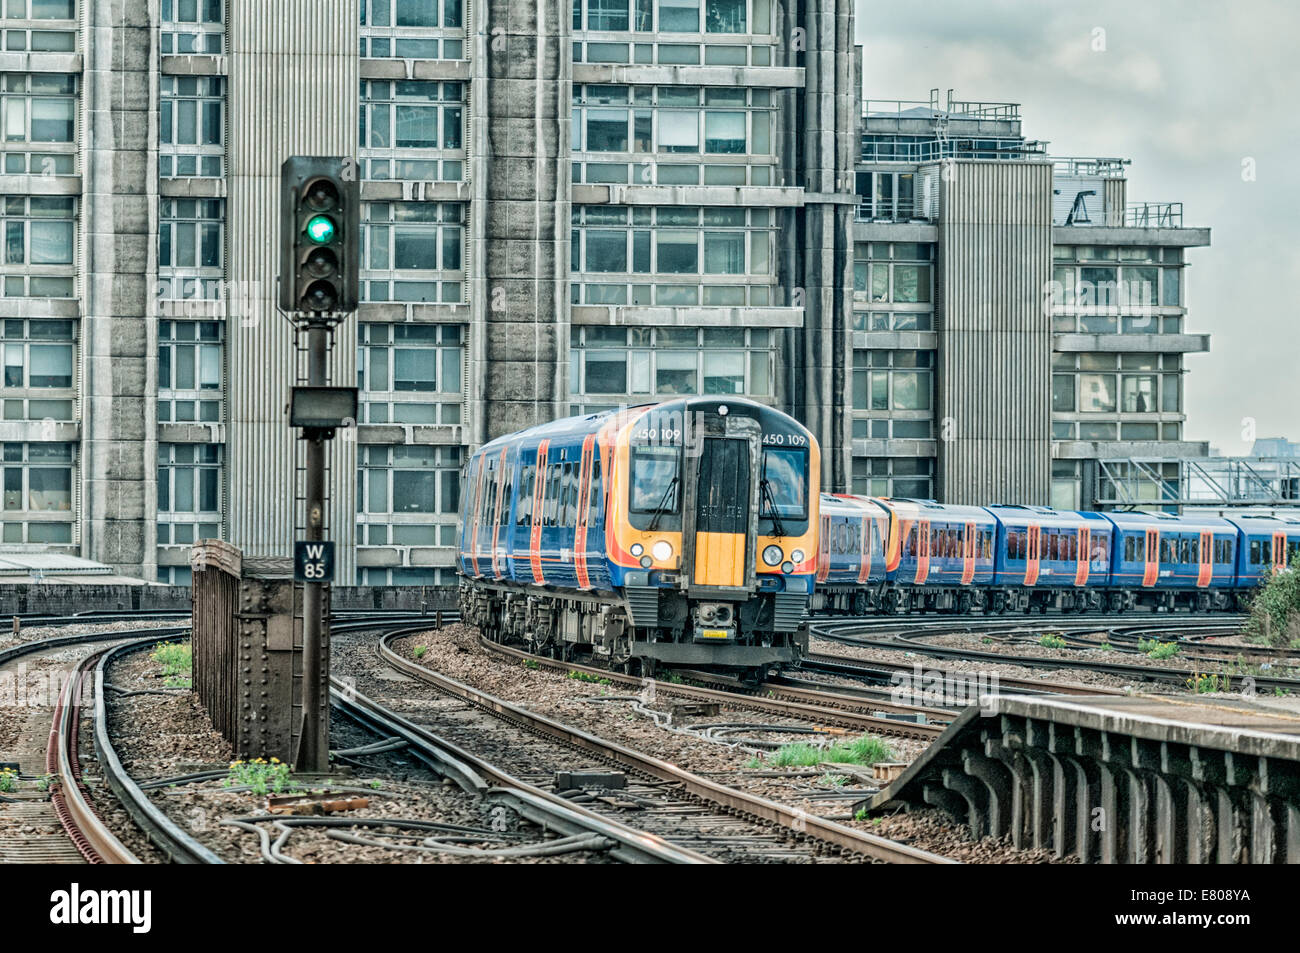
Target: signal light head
<point>321,195</point>
<point>321,229</point>
<point>321,296</point>
<point>322,263</point>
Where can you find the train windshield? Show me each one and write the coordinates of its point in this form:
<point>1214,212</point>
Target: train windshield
<point>784,489</point>
<point>656,479</point>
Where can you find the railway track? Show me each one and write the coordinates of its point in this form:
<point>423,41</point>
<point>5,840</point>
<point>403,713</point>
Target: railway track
<point>684,808</point>
<point>874,636</point>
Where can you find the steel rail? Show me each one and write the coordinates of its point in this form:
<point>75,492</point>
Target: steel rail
<point>791,819</point>
<point>825,708</point>
<point>478,777</point>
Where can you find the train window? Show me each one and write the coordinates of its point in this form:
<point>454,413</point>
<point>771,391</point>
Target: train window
<point>655,479</point>
<point>1100,551</point>
<point>785,474</point>
<point>909,544</point>
<point>596,508</point>
<point>1072,548</point>
<point>523,512</point>
<point>1013,545</point>
<point>1254,552</point>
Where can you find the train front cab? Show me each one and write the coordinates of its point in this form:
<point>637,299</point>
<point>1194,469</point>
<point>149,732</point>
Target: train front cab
<point>714,540</point>
<point>1163,561</point>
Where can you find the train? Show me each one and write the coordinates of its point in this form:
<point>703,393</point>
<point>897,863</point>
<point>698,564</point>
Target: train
<point>678,533</point>
<point>694,532</point>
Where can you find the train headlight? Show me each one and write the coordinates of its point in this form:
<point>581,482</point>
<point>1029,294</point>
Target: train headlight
<point>637,549</point>
<point>772,555</point>
<point>787,568</point>
<point>662,550</point>
<point>797,556</point>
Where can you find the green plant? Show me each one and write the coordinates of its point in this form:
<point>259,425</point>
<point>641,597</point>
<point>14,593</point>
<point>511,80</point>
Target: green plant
<point>1155,649</point>
<point>865,750</point>
<point>8,780</point>
<point>834,780</point>
<point>1105,647</point>
<point>45,782</point>
<point>1275,610</point>
<point>532,663</point>
<point>261,776</point>
<point>177,681</point>
<point>588,677</point>
<point>1051,641</point>
<point>1207,684</point>
<point>861,815</point>
<point>176,658</point>
<point>754,762</point>
<point>376,784</point>
<point>419,651</point>
<point>987,640</point>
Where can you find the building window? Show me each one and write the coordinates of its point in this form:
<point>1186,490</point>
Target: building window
<point>191,126</point>
<point>192,26</point>
<point>39,246</point>
<point>898,272</point>
<point>413,251</point>
<point>623,365</point>
<point>674,16</point>
<point>191,241</point>
<point>413,29</point>
<point>189,493</point>
<point>902,477</point>
<point>410,373</point>
<point>885,196</point>
<point>408,495</point>
<point>638,134</point>
<point>672,256</point>
<point>38,356</point>
<point>190,371</point>
<point>893,380</point>
<point>404,122</point>
<point>38,486</point>
<point>1116,383</point>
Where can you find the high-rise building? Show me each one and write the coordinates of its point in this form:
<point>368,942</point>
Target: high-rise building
<point>566,207</point>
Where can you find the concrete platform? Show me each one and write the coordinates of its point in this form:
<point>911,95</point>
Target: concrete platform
<point>1119,779</point>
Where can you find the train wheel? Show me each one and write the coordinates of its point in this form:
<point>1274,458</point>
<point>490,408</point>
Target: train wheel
<point>964,603</point>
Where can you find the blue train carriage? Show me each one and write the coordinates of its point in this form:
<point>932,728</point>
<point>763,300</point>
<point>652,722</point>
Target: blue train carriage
<point>1266,544</point>
<point>1047,558</point>
<point>937,556</point>
<point>851,554</point>
<point>678,533</point>
<point>1166,561</point>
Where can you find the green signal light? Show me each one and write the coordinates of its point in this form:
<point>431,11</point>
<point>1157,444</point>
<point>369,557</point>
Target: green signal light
<point>320,229</point>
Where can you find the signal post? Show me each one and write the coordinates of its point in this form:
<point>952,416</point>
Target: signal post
<point>320,243</point>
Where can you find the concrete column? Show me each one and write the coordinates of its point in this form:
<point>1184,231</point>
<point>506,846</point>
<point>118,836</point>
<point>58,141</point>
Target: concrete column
<point>118,252</point>
<point>522,95</point>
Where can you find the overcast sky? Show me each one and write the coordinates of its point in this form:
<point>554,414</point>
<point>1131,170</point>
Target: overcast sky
<point>1187,89</point>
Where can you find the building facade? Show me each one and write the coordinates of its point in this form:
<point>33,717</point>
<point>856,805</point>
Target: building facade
<point>566,207</point>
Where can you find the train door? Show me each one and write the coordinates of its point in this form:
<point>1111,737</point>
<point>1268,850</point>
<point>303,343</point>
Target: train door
<point>968,555</point>
<point>1151,574</point>
<point>824,550</point>
<point>1033,545</point>
<point>539,499</point>
<point>864,566</point>
<point>1279,551</point>
<point>719,535</point>
<point>922,551</point>
<point>1205,570</point>
<point>1081,559</point>
<point>584,511</point>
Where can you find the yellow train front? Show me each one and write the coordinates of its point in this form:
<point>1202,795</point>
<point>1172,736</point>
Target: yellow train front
<point>681,533</point>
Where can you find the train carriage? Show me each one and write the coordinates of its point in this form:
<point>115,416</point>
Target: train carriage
<point>1163,560</point>
<point>851,554</point>
<point>1266,544</point>
<point>679,533</point>
<point>940,556</point>
<point>1049,558</point>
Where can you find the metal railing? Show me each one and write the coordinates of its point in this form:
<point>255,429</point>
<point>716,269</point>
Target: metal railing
<point>1089,165</point>
<point>1201,481</point>
<point>1153,215</point>
<point>960,147</point>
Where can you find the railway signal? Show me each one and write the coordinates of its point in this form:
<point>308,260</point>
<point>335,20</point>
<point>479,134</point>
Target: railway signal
<point>320,235</point>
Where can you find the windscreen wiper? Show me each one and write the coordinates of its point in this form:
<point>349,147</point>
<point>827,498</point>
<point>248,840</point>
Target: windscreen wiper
<point>765,488</point>
<point>658,511</point>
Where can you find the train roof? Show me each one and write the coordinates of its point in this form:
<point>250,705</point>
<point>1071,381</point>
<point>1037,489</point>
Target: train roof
<point>930,509</point>
<point>849,503</point>
<point>1266,524</point>
<point>1169,522</point>
<point>769,417</point>
<point>1013,514</point>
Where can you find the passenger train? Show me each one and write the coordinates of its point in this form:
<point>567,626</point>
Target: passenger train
<point>680,533</point>
<point>694,532</point>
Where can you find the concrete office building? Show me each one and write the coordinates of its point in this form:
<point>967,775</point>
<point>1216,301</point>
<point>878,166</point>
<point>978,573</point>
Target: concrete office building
<point>567,207</point>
